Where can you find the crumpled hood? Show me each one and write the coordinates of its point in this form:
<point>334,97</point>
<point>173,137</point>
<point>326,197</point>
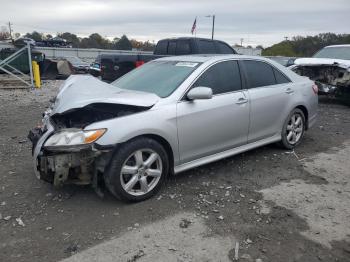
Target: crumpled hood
<point>81,90</point>
<point>322,61</point>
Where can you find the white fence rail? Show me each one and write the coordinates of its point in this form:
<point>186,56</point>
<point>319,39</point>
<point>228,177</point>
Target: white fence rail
<point>86,54</point>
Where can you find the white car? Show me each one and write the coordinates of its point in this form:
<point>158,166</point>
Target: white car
<point>329,68</point>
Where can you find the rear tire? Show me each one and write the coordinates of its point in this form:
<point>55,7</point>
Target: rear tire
<point>137,170</point>
<point>293,129</point>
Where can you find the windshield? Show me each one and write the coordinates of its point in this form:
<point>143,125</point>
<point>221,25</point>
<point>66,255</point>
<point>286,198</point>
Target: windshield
<point>158,77</point>
<point>341,52</point>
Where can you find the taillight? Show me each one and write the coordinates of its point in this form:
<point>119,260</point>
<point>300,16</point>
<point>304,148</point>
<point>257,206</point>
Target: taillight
<point>139,63</point>
<point>315,89</point>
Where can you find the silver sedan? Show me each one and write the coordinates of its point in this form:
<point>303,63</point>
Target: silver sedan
<point>168,116</point>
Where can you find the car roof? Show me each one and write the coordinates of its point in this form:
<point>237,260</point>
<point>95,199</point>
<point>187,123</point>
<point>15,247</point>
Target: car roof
<point>188,38</point>
<point>201,58</point>
<point>337,46</point>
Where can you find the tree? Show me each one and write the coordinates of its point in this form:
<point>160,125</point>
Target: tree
<point>96,41</point>
<point>306,46</point>
<point>123,44</point>
<point>71,38</point>
<point>260,47</point>
<point>36,36</point>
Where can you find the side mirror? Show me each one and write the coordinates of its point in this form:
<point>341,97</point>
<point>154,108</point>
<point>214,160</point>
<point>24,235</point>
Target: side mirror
<point>200,93</point>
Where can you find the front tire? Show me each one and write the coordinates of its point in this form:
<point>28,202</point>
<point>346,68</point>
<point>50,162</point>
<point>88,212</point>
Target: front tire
<point>293,129</point>
<point>137,170</point>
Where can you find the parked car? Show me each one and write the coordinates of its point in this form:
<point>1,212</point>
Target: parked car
<point>95,67</point>
<point>22,41</point>
<point>114,66</point>
<point>55,42</point>
<point>168,116</point>
<point>330,69</point>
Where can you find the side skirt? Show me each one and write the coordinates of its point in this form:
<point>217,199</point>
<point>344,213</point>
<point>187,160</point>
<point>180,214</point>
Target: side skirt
<point>224,154</point>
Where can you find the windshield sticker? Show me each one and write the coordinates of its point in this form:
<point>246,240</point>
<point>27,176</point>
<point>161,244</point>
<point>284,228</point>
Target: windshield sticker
<point>188,64</point>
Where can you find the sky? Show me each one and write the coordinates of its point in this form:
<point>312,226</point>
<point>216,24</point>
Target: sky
<point>258,22</point>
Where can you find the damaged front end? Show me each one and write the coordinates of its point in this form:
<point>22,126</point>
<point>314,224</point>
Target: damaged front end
<point>332,79</point>
<point>64,150</point>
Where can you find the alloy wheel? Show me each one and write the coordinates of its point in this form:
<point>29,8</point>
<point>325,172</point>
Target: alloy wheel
<point>141,172</point>
<point>295,129</point>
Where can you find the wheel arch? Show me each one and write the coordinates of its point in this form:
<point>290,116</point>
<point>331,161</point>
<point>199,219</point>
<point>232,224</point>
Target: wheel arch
<point>161,140</point>
<point>306,114</point>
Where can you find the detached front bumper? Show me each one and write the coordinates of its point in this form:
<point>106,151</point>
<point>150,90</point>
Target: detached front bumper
<point>66,165</point>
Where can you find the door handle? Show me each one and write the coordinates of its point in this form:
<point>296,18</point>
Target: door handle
<point>241,101</point>
<point>289,91</point>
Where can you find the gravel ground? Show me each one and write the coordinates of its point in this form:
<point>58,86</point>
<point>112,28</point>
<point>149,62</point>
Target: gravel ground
<point>269,204</point>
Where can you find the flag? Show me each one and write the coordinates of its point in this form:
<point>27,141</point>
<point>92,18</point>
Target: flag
<point>194,26</point>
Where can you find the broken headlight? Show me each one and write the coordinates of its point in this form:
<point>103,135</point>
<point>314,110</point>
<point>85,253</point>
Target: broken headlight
<point>71,137</point>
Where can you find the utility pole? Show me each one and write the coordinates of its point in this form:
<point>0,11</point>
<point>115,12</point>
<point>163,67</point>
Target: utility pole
<point>286,38</point>
<point>10,30</point>
<point>242,41</point>
<point>213,26</point>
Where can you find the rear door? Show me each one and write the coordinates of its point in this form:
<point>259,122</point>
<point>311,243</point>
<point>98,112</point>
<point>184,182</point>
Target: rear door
<point>269,94</point>
<point>206,127</point>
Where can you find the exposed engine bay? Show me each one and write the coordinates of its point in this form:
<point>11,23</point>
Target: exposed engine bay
<point>328,78</point>
<point>64,148</point>
<point>81,117</point>
<point>331,75</point>
<point>77,164</point>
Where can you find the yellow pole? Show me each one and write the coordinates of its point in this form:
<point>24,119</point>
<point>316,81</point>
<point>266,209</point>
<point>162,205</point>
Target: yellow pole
<point>36,74</point>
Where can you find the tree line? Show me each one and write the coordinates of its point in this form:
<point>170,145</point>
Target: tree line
<point>300,46</point>
<point>94,40</point>
<point>297,46</point>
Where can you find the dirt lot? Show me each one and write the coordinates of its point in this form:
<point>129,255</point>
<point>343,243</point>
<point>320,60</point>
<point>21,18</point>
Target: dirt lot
<point>271,204</point>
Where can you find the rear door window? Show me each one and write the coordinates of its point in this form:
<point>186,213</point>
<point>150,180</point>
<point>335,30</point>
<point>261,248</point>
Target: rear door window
<point>259,73</point>
<point>183,47</point>
<point>222,78</point>
<point>206,47</point>
<point>172,48</point>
